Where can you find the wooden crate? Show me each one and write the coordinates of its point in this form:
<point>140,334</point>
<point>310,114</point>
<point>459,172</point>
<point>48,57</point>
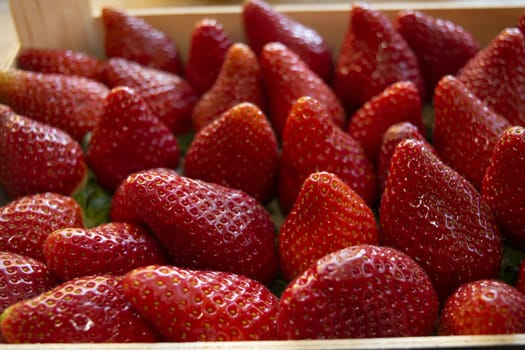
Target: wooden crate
<point>68,24</point>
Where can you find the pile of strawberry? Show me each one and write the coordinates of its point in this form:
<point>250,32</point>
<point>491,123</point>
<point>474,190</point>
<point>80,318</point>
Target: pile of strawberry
<point>156,202</point>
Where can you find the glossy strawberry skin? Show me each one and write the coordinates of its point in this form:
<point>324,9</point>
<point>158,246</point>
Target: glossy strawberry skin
<point>26,222</point>
<point>202,225</point>
<point>36,158</point>
<point>312,142</point>
<point>189,305</point>
<point>21,278</point>
<point>398,102</point>
<point>392,136</point>
<point>441,46</point>
<point>483,307</point>
<point>129,138</point>
<point>496,75</point>
<point>71,103</point>
<point>521,23</point>
<point>465,130</point>
<point>132,38</point>
<point>520,281</point>
<point>438,218</point>
<point>112,248</point>
<point>167,95</point>
<point>503,185</point>
<point>238,150</point>
<point>208,47</point>
<point>5,111</point>
<point>369,62</point>
<point>286,78</point>
<point>327,216</point>
<point>61,62</point>
<point>239,80</point>
<point>278,27</point>
<point>84,310</point>
<point>362,291</point>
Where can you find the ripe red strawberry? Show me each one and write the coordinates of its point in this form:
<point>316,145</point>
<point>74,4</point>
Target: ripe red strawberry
<point>465,130</point>
<point>35,158</point>
<point>327,216</point>
<point>129,138</point>
<point>398,102</point>
<point>503,187</point>
<point>239,80</point>
<point>84,310</point>
<point>312,142</point>
<point>520,282</point>
<point>392,136</point>
<point>238,150</point>
<point>123,208</point>
<point>442,47</point>
<point>362,291</point>
<point>26,222</point>
<point>21,278</point>
<point>438,218</point>
<point>112,248</point>
<point>286,78</point>
<point>208,47</point>
<point>483,307</point>
<point>73,104</point>
<point>60,61</point>
<point>186,305</point>
<point>496,75</point>
<point>373,56</point>
<point>134,39</point>
<point>168,96</point>
<point>202,225</point>
<point>278,27</point>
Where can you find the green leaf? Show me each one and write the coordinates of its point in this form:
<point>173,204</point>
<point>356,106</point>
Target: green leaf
<point>511,264</point>
<point>95,202</point>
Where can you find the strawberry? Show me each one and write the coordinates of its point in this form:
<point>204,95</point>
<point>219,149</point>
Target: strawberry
<point>71,103</point>
<point>392,136</point>
<point>123,208</point>
<point>373,56</point>
<point>496,75</point>
<point>168,96</point>
<point>129,138</point>
<point>434,215</point>
<point>502,186</point>
<point>239,80</point>
<point>238,150</point>
<point>286,78</point>
<point>208,47</point>
<point>84,310</point>
<point>441,46</point>
<point>312,142</point>
<point>202,225</point>
<point>362,291</point>
<point>187,305</point>
<point>398,102</point>
<point>112,248</point>
<point>278,27</point>
<point>132,38</point>
<point>26,222</point>
<point>465,130</point>
<point>326,217</point>
<point>21,278</point>
<point>520,281</point>
<point>483,307</point>
<point>35,158</point>
<point>60,61</point>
